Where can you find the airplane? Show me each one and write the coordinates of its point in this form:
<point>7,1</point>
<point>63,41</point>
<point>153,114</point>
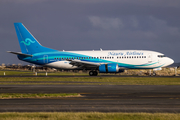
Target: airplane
<point>97,61</point>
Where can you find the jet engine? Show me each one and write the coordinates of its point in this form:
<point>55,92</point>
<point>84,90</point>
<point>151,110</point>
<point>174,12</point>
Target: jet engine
<point>109,68</point>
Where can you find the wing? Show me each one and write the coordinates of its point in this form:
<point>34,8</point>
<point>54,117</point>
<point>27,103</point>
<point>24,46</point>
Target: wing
<point>83,64</point>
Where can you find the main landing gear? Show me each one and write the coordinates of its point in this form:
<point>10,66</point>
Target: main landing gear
<point>93,73</point>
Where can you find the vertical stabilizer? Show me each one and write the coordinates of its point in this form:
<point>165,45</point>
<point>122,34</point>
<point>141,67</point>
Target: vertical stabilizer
<point>27,42</point>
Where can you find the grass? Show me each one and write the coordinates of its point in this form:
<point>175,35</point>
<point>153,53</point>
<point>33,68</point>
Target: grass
<point>10,72</point>
<point>141,72</point>
<point>30,73</point>
<point>37,95</point>
<point>88,116</point>
<point>90,80</point>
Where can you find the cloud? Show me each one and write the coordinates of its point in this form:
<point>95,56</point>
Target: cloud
<point>114,23</point>
<point>157,3</point>
<point>161,26</point>
<point>91,24</point>
<point>133,28</point>
<point>106,23</point>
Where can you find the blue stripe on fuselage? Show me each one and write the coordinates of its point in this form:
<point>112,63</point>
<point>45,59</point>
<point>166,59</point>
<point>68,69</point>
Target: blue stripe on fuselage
<point>38,58</point>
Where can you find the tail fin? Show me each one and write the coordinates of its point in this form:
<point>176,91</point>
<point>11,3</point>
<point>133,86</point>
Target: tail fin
<point>27,42</point>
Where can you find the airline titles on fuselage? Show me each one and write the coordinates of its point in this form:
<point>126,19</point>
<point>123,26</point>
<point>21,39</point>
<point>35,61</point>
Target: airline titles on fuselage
<point>124,53</point>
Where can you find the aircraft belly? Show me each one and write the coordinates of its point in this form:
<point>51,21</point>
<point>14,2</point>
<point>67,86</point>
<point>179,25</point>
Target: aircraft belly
<point>61,65</point>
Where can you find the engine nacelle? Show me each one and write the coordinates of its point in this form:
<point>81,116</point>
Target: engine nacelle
<point>109,68</point>
<point>157,69</point>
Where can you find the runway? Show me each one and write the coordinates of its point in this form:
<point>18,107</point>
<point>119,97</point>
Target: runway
<point>95,98</point>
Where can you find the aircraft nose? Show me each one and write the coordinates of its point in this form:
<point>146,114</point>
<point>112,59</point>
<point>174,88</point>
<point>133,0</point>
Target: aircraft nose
<point>170,61</point>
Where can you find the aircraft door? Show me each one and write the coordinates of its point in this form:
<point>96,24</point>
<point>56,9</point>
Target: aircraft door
<point>45,58</point>
<point>149,58</point>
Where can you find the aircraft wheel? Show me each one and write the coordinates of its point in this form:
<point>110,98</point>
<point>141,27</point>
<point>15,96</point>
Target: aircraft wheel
<point>154,74</point>
<point>91,73</point>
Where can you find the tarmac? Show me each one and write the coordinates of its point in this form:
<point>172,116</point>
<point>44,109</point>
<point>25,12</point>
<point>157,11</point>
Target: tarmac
<point>95,98</point>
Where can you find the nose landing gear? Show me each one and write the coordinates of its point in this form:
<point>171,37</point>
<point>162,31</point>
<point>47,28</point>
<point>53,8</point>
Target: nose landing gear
<point>93,73</point>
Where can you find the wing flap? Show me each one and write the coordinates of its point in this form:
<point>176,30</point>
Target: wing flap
<point>80,63</point>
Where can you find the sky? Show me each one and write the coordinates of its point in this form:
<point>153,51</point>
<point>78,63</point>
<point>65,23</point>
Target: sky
<point>92,24</point>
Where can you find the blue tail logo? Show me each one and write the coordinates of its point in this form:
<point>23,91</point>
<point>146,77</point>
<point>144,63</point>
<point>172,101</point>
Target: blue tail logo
<point>28,41</point>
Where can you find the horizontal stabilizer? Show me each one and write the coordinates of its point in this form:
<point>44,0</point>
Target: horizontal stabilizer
<point>19,53</point>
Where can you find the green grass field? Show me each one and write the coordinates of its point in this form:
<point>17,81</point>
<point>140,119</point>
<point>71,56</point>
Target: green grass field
<point>135,72</point>
<point>91,80</point>
<point>37,95</point>
<point>88,116</point>
<point>30,73</point>
<point>80,81</point>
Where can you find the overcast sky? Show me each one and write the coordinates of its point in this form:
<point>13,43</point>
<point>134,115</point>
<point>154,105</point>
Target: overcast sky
<point>93,24</point>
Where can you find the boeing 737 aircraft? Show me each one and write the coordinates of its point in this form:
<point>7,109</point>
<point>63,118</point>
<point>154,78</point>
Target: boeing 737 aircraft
<point>102,61</point>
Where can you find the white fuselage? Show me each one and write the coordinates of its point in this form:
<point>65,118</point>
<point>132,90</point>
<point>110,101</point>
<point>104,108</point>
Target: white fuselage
<point>130,59</point>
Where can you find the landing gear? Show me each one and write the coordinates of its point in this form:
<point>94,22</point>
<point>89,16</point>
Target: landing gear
<point>154,73</point>
<point>93,73</point>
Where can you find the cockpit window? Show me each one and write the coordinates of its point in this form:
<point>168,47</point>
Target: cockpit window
<point>161,56</point>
